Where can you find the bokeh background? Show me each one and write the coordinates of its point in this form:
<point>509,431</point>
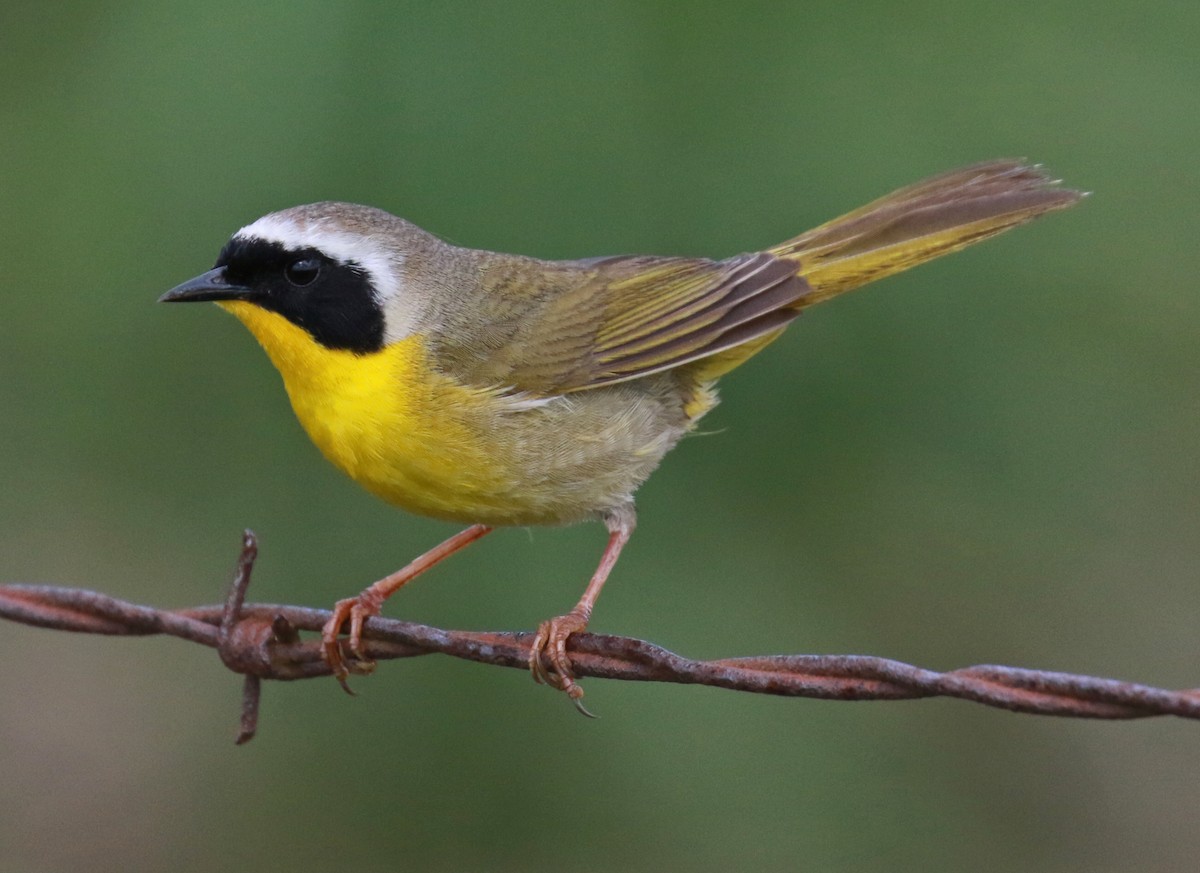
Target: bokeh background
<point>989,459</point>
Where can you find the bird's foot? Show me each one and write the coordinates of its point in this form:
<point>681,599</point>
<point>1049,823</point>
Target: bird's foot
<point>548,661</point>
<point>357,610</point>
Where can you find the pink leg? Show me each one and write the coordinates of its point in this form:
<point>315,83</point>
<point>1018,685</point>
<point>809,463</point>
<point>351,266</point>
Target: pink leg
<point>370,602</point>
<point>552,635</point>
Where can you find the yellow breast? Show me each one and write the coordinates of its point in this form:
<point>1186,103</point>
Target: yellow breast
<point>390,422</point>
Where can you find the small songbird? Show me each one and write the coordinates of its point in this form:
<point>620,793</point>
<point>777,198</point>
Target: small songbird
<point>493,389</point>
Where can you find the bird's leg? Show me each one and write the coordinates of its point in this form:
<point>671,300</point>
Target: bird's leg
<point>550,644</point>
<point>370,601</point>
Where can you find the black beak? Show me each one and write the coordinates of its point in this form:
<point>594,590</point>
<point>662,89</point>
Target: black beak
<point>211,286</point>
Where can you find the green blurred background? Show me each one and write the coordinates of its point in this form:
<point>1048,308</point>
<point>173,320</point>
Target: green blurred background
<point>989,459</point>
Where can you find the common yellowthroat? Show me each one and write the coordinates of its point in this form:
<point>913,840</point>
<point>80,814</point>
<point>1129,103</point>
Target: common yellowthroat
<point>496,389</point>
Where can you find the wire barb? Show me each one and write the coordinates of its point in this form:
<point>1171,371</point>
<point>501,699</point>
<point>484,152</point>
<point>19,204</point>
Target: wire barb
<point>263,641</point>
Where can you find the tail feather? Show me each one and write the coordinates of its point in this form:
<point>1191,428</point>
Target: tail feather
<point>920,222</point>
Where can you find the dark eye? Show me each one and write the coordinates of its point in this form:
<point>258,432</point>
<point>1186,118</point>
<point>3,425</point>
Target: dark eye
<point>303,271</point>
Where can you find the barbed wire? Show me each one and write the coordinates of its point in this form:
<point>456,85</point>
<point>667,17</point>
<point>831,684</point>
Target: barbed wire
<point>262,641</point>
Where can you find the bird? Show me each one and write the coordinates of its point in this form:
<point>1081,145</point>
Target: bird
<point>497,390</point>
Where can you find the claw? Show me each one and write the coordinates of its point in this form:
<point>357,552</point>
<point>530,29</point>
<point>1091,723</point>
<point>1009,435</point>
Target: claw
<point>357,610</point>
<point>550,644</point>
<point>580,708</point>
<point>345,683</point>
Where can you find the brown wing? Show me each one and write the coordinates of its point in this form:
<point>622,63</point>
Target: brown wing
<point>552,327</point>
<point>626,317</point>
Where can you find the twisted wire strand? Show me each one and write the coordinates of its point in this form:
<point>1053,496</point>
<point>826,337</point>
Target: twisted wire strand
<point>262,641</point>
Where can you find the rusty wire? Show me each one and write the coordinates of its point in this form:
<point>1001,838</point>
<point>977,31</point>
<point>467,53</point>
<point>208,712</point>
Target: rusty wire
<point>262,641</point>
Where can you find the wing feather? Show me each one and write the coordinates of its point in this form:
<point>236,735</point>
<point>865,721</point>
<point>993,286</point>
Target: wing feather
<point>679,311</point>
<point>571,326</point>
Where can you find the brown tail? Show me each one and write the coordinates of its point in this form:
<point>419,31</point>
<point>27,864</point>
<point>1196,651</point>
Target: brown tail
<point>920,222</point>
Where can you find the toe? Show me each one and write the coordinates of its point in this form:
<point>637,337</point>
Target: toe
<point>548,659</point>
<point>537,667</point>
<point>330,646</point>
<point>358,615</point>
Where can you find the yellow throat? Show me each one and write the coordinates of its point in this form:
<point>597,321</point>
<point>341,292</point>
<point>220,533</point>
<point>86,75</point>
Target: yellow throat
<point>386,419</point>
